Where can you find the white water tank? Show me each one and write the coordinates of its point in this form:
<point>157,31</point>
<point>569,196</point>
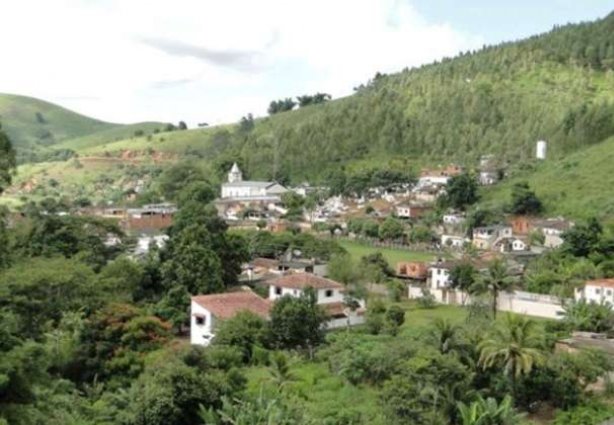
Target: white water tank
<point>540,151</point>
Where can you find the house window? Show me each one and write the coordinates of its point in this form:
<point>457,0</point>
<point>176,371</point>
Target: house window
<point>328,293</point>
<point>597,291</point>
<point>200,320</point>
<point>277,290</point>
<point>608,292</point>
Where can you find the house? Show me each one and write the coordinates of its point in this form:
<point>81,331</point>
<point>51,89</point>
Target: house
<point>237,188</point>
<point>487,237</point>
<point>329,294</point>
<point>553,229</point>
<point>453,241</point>
<point>596,290</point>
<point>206,311</point>
<point>511,245</point>
<point>488,171</point>
<point>453,218</point>
<point>411,211</point>
<point>149,217</point>
<point>414,270</point>
<point>439,274</point>
<point>521,224</point>
<point>427,193</point>
<point>438,176</point>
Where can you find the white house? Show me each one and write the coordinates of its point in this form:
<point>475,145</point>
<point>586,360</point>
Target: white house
<point>207,310</point>
<point>453,218</point>
<point>238,188</point>
<point>553,230</point>
<point>411,211</point>
<point>330,295</point>
<point>596,290</point>
<point>439,274</point>
<point>511,245</point>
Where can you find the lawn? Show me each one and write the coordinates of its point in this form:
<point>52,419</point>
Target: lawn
<point>358,250</point>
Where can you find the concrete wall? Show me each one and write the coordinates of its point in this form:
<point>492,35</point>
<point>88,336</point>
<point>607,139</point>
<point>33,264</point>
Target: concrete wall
<point>518,302</point>
<point>352,320</point>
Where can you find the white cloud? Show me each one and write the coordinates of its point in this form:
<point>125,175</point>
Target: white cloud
<point>205,60</point>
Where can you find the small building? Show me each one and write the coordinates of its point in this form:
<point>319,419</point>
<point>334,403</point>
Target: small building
<point>237,188</point>
<point>152,217</point>
<point>206,311</point>
<point>596,290</point>
<point>553,229</point>
<point>487,237</point>
<point>439,274</point>
<point>330,295</point>
<point>415,270</point>
<point>411,211</point>
<point>454,218</point>
<point>511,245</point>
<point>521,224</point>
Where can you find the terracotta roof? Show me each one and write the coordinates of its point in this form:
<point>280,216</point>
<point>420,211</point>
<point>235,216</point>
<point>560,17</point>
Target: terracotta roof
<point>226,306</point>
<point>305,280</point>
<point>607,283</point>
<point>265,263</point>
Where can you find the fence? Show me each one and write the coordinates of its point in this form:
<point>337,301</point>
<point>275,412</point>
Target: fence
<point>519,302</point>
<point>374,242</point>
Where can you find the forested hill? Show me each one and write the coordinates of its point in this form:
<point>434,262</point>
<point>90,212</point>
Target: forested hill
<point>36,126</point>
<point>558,86</point>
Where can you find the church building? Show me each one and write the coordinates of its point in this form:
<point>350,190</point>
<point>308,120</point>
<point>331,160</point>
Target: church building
<point>239,189</point>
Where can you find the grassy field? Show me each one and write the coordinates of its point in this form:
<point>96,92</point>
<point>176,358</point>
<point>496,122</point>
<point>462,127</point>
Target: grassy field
<point>578,186</point>
<point>358,250</point>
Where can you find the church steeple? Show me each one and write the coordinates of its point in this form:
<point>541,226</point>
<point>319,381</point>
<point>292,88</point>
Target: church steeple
<point>235,174</point>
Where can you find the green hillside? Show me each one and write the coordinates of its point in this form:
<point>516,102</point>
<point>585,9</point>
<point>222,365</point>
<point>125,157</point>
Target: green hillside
<point>109,135</point>
<point>558,86</point>
<point>580,185</point>
<point>38,129</point>
<point>31,122</point>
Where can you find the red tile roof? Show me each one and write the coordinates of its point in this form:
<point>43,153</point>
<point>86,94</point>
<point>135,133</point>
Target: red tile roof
<point>226,306</point>
<point>606,283</point>
<point>305,280</point>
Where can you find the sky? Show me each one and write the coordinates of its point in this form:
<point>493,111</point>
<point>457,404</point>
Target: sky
<point>215,61</point>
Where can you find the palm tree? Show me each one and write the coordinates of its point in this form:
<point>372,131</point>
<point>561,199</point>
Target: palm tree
<point>280,372</point>
<point>515,345</point>
<point>495,281</point>
<point>445,334</point>
<point>489,412</point>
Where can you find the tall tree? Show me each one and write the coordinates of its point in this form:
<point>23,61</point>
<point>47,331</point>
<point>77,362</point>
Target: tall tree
<point>297,321</point>
<point>461,191</point>
<point>495,281</point>
<point>524,200</point>
<point>515,346</point>
<point>7,160</point>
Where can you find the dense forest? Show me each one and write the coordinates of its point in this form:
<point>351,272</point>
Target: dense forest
<point>501,100</point>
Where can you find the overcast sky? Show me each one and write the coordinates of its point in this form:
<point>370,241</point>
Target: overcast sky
<point>214,61</point>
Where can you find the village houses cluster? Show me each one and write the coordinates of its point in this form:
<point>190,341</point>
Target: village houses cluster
<point>259,204</point>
